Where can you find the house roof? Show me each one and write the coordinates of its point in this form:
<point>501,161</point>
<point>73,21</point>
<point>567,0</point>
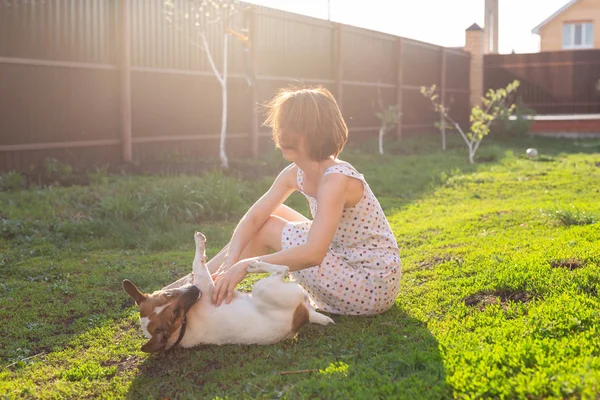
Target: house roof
<point>474,27</point>
<point>564,8</point>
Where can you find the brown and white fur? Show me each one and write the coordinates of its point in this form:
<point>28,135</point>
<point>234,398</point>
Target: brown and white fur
<point>274,311</point>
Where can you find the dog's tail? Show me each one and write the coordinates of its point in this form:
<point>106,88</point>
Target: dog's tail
<point>316,318</point>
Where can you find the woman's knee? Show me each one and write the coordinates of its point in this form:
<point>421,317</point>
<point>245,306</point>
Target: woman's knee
<point>288,213</point>
<point>270,233</point>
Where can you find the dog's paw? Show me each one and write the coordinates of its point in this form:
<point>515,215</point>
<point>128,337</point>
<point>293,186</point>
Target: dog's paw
<point>254,266</point>
<point>199,238</point>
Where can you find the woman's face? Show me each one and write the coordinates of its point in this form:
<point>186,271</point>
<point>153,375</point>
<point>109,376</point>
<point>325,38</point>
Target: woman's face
<point>289,153</point>
<point>293,152</point>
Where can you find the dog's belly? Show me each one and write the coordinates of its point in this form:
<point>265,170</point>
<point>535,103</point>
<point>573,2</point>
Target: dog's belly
<point>239,322</point>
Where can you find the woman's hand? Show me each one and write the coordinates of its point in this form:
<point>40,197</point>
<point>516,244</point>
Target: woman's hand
<point>228,262</point>
<point>226,279</point>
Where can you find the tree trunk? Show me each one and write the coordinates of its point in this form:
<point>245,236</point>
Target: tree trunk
<point>381,133</point>
<point>443,130</point>
<point>222,78</point>
<point>471,154</point>
<point>222,154</point>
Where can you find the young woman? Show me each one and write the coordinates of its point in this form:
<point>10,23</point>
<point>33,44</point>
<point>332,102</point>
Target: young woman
<point>346,257</point>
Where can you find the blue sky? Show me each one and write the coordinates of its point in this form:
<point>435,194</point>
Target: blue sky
<point>441,22</point>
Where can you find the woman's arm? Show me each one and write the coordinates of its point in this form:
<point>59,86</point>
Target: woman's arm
<point>257,215</point>
<point>331,198</point>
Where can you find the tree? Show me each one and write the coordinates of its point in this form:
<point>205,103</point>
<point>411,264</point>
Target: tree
<point>494,106</point>
<point>201,14</point>
<point>388,118</point>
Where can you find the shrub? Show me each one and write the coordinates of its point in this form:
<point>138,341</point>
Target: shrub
<point>12,181</point>
<point>57,171</point>
<point>517,126</point>
<point>569,216</point>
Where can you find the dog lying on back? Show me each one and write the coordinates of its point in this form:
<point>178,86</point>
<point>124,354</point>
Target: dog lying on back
<point>186,316</point>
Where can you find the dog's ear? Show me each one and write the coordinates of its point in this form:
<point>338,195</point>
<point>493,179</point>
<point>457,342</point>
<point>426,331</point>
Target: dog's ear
<point>156,343</point>
<point>133,291</point>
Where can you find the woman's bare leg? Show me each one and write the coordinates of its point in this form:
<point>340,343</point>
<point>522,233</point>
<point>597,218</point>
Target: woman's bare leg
<point>256,246</point>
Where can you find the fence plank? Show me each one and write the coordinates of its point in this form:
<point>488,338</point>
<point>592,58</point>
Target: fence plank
<point>399,87</point>
<point>443,95</point>
<point>339,66</point>
<point>551,82</point>
<point>126,80</point>
<point>254,129</point>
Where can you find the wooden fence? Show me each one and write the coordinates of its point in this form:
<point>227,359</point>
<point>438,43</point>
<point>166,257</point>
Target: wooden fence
<point>102,81</point>
<point>562,82</point>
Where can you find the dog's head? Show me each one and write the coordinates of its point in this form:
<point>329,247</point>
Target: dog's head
<point>162,313</point>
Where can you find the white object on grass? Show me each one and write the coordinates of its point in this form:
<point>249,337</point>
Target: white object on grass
<point>532,153</point>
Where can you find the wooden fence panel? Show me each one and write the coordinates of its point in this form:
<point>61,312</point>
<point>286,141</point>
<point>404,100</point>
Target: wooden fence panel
<point>368,56</point>
<point>361,104</point>
<point>170,41</point>
<point>422,64</point>
<point>45,104</point>
<point>64,92</point>
<point>58,67</point>
<point>457,86</point>
<point>561,82</point>
<point>294,47</point>
<point>59,30</point>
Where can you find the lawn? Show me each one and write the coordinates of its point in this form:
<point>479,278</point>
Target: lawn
<point>499,294</point>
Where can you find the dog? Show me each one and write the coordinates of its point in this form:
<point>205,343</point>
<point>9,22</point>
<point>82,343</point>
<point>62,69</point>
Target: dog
<point>186,316</point>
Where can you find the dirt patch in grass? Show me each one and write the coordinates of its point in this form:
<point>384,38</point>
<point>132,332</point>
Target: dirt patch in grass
<point>502,296</point>
<point>434,261</point>
<point>128,302</point>
<point>452,246</point>
<point>569,263</point>
<point>494,214</point>
<point>126,364</point>
<point>164,363</point>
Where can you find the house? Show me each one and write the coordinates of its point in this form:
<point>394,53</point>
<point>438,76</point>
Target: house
<point>574,26</point>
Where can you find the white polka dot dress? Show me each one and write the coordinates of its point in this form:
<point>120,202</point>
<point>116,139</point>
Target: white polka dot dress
<point>360,274</point>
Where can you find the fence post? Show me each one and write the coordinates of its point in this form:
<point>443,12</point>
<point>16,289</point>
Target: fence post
<point>474,45</point>
<point>254,139</point>
<point>443,95</point>
<point>400,50</point>
<point>126,81</point>
<point>339,66</point>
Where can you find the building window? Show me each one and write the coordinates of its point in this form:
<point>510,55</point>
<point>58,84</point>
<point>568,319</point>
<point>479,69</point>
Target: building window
<point>578,35</point>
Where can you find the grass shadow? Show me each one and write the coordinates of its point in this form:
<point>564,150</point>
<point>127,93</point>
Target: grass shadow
<point>387,356</point>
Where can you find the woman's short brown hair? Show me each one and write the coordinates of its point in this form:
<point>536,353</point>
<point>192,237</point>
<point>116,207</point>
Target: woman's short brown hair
<point>311,113</point>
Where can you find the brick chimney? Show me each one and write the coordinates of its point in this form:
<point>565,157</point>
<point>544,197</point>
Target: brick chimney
<point>490,27</point>
<point>474,44</point>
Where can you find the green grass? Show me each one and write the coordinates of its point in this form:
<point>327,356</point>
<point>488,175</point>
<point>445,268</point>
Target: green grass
<point>499,294</point>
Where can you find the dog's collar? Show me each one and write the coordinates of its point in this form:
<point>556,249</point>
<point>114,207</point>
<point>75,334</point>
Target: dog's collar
<point>183,325</point>
<point>181,331</point>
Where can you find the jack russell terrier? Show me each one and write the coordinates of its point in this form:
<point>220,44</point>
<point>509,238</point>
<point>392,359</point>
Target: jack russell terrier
<point>275,310</point>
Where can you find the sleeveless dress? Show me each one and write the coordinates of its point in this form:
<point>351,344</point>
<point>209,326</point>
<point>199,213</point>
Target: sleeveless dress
<point>360,274</point>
